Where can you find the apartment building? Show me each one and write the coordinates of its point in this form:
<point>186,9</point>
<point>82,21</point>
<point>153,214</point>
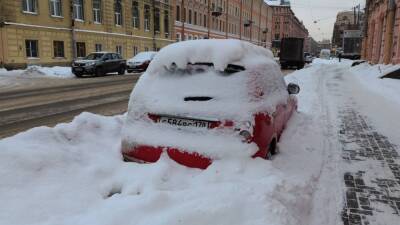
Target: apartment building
<point>286,24</point>
<point>249,20</point>
<point>53,32</point>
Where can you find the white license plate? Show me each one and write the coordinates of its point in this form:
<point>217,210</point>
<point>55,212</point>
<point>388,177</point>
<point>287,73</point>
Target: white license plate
<point>79,69</point>
<point>180,122</point>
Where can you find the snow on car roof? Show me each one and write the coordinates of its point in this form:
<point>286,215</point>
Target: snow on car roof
<point>220,52</point>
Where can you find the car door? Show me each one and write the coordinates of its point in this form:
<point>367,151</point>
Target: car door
<point>107,63</point>
<point>115,62</point>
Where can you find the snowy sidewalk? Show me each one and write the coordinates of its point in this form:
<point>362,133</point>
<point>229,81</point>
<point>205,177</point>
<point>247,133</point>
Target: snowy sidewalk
<point>371,162</point>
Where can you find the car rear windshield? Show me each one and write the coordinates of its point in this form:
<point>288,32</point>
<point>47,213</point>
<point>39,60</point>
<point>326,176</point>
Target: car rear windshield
<point>194,68</point>
<point>94,56</point>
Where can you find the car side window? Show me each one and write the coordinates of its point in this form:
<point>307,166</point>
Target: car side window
<point>107,57</point>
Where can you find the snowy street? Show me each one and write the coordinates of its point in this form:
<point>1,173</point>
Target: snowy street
<point>338,164</point>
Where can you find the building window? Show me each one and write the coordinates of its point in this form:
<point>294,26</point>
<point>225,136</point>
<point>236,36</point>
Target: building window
<point>146,49</point>
<point>98,47</point>
<point>118,49</point>
<point>31,48</point>
<point>135,50</point>
<point>146,18</point>
<point>80,49</point>
<point>135,15</point>
<point>178,13</point>
<point>190,16</point>
<point>97,11</point>
<point>166,23</point>
<point>29,6</point>
<point>118,12</point>
<point>78,9</point>
<point>157,20</point>
<point>56,8</point>
<point>58,49</point>
<point>205,21</point>
<point>195,18</point>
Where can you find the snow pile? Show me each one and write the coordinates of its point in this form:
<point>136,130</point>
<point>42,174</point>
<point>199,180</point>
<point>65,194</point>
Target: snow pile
<point>39,71</point>
<point>220,52</point>
<point>235,97</point>
<point>74,174</point>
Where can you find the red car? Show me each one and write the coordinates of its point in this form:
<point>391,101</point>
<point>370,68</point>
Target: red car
<point>224,98</point>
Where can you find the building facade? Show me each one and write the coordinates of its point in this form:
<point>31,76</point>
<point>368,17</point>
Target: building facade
<point>249,20</point>
<point>53,32</point>
<point>286,24</point>
<point>346,20</point>
<point>381,43</point>
<point>312,46</point>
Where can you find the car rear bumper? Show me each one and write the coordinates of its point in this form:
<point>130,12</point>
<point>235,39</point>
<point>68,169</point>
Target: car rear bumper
<point>150,154</point>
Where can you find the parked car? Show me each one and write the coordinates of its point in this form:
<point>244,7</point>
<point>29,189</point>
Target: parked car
<point>140,62</point>
<point>308,57</point>
<point>325,54</point>
<point>201,101</point>
<point>98,64</point>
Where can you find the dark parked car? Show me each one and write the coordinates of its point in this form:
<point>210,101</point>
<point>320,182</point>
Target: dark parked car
<point>98,64</point>
<point>140,62</point>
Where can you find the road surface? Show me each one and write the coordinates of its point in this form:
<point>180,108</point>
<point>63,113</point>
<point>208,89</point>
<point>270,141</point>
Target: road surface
<point>46,102</point>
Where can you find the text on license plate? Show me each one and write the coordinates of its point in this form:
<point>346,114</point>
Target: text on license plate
<point>184,122</point>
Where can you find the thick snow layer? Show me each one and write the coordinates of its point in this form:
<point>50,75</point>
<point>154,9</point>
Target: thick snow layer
<point>235,97</point>
<point>38,71</point>
<point>74,174</point>
<point>220,52</point>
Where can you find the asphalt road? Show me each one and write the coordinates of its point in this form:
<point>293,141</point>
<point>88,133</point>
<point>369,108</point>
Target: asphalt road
<point>59,100</point>
<point>30,102</point>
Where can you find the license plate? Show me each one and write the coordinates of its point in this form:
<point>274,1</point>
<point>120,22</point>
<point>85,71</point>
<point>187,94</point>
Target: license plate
<point>79,69</point>
<point>180,122</point>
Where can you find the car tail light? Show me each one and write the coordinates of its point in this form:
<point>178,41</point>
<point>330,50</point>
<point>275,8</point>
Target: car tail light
<point>153,117</point>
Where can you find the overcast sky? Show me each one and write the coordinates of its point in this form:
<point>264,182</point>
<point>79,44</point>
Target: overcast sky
<point>322,11</point>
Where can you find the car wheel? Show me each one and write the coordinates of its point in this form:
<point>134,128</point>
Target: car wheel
<point>99,72</point>
<point>121,71</point>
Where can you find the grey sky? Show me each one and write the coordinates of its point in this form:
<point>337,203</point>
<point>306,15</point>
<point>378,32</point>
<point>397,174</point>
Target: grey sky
<point>322,11</point>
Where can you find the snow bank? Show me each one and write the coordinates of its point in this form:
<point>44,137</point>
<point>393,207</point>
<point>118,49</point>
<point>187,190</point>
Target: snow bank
<point>74,174</point>
<point>38,71</point>
<point>235,97</point>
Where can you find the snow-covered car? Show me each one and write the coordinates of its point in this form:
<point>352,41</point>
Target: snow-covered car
<point>325,54</point>
<point>140,62</point>
<point>98,64</point>
<point>206,100</point>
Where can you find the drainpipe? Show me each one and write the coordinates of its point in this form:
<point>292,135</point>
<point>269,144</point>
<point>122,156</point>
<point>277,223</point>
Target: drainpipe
<point>240,20</point>
<point>251,21</point>
<point>226,19</point>
<point>365,31</point>
<point>183,15</point>
<point>259,24</point>
<point>208,18</point>
<point>73,33</point>
<point>389,31</point>
<point>154,24</point>
<point>3,59</point>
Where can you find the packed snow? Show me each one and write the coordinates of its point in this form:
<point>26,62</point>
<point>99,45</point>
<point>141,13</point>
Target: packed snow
<point>39,71</point>
<point>74,173</point>
<point>234,97</point>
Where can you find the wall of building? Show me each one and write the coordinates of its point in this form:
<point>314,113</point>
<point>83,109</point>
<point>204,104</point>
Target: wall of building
<point>19,26</point>
<point>230,24</point>
<point>374,43</point>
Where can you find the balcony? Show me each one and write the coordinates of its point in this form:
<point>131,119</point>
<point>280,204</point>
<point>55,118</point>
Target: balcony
<point>216,12</point>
